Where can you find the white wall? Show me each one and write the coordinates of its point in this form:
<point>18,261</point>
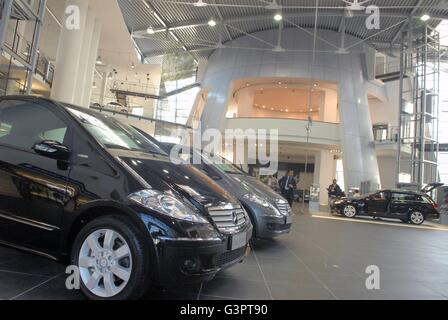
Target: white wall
<point>386,112</point>
<point>388,171</point>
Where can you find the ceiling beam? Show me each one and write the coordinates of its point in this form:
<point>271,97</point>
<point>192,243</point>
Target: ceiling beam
<point>158,53</point>
<point>167,27</point>
<point>328,13</point>
<point>405,24</point>
<point>218,12</point>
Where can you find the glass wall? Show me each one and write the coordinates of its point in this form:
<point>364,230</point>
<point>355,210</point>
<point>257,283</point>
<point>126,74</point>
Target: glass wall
<point>443,133</point>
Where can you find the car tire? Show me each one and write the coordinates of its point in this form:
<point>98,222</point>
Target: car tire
<point>416,218</point>
<point>116,269</point>
<point>349,211</point>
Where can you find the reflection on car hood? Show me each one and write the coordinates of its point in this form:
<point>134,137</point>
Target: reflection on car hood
<point>252,185</point>
<point>161,174</point>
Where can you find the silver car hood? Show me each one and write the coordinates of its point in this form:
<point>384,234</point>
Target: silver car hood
<point>241,185</point>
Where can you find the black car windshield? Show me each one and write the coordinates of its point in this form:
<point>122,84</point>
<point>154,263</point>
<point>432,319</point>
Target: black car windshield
<point>222,164</point>
<point>113,134</point>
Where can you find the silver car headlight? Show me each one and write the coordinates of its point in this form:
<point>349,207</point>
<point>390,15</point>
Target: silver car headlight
<point>166,204</point>
<point>264,203</point>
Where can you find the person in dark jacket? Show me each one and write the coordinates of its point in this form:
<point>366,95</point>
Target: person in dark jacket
<point>287,185</point>
<point>334,190</point>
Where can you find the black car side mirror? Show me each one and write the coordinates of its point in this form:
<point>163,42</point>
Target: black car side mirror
<point>52,149</point>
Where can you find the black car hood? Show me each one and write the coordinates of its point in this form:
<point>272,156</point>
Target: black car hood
<point>163,175</point>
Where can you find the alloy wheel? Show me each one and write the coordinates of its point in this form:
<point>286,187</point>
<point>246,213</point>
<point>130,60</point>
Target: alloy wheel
<point>417,217</point>
<point>105,263</point>
<point>349,211</point>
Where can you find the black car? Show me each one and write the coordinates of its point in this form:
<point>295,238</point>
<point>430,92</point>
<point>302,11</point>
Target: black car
<point>83,188</point>
<point>407,206</point>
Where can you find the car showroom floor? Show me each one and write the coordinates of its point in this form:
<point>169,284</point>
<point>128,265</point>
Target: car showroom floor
<point>323,258</point>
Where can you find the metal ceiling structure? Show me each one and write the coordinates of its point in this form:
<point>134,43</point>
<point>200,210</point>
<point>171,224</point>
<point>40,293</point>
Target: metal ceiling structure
<point>166,26</point>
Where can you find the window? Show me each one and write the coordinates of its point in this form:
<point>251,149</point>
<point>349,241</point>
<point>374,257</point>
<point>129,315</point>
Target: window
<point>340,173</point>
<point>222,164</point>
<point>401,196</point>
<point>114,135</point>
<point>408,197</point>
<point>24,123</point>
<point>380,196</point>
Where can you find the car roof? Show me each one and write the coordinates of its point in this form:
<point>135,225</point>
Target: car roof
<point>403,191</point>
<point>57,104</point>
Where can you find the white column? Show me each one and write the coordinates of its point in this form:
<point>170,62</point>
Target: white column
<point>103,88</point>
<point>83,60</point>
<point>358,145</point>
<point>324,173</point>
<point>93,54</point>
<point>68,56</point>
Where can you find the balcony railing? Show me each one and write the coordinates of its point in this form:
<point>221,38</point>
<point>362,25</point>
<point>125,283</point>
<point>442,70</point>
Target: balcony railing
<point>386,134</point>
<point>21,47</point>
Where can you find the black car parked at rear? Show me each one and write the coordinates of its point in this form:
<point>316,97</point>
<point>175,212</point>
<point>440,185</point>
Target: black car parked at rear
<point>407,206</point>
<point>81,187</point>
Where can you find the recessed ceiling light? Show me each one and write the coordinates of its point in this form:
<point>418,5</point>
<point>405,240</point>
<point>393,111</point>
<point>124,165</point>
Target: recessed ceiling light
<point>264,107</point>
<point>278,17</point>
<point>287,110</point>
<point>212,23</point>
<point>200,3</point>
<point>150,30</point>
<point>425,17</point>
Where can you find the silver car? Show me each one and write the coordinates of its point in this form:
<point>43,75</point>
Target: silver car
<point>270,213</point>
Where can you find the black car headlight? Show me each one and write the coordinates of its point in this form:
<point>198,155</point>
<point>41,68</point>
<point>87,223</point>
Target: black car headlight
<point>166,204</point>
<point>271,209</point>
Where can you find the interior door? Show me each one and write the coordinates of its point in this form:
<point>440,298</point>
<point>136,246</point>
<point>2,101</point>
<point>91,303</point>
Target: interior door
<point>32,187</point>
<point>399,205</point>
<point>378,204</point>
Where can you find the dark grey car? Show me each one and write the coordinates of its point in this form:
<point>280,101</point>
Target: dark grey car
<point>270,213</point>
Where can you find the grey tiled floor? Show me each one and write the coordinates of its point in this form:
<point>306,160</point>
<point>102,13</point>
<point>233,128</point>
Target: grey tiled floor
<point>320,259</point>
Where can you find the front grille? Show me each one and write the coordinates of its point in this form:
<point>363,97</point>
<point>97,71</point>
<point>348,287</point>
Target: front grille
<point>228,219</point>
<point>283,207</point>
<point>228,257</point>
<point>278,227</point>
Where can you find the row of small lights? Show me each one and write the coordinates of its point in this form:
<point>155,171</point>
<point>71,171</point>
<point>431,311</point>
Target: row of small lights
<point>281,110</point>
<point>315,85</point>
